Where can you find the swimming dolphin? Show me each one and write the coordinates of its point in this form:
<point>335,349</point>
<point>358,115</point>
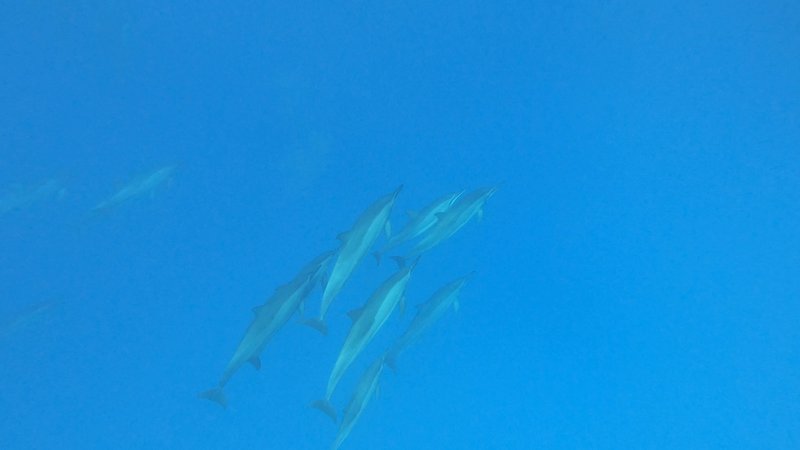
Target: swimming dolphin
<point>145,184</point>
<point>20,197</point>
<point>427,313</point>
<point>451,220</point>
<point>269,318</point>
<point>31,315</point>
<point>418,223</point>
<point>367,320</point>
<point>354,245</point>
<point>368,384</point>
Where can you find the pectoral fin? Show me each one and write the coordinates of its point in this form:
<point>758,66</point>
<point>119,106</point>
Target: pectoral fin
<point>256,362</point>
<point>323,280</point>
<point>355,314</point>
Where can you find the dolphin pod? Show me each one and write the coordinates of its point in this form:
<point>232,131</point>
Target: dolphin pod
<point>17,197</point>
<point>434,224</point>
<point>450,221</point>
<point>419,222</point>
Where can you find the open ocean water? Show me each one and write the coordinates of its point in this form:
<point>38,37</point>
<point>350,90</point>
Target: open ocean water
<point>165,166</point>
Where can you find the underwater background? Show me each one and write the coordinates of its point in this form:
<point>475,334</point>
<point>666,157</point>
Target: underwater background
<point>636,274</point>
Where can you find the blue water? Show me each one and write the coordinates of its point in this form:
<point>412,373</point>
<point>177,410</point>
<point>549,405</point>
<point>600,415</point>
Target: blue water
<point>636,277</point>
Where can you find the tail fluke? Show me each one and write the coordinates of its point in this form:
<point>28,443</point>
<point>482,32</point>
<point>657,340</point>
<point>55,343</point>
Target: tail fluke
<point>317,324</point>
<point>326,407</point>
<point>401,262</point>
<point>389,360</point>
<point>215,395</point>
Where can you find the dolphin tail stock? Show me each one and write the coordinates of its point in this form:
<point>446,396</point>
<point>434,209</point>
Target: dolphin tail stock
<point>317,324</point>
<point>390,359</point>
<point>400,260</point>
<point>338,442</point>
<point>216,395</point>
<point>326,407</point>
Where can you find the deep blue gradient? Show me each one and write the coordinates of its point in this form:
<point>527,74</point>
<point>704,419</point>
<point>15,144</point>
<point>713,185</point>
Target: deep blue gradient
<point>637,273</point>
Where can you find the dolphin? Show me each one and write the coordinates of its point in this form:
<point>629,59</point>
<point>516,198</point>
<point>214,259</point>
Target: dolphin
<point>368,384</point>
<point>367,320</point>
<point>450,221</point>
<point>419,222</point>
<point>269,318</point>
<point>312,274</point>
<point>427,313</point>
<point>31,315</point>
<point>145,184</point>
<point>354,245</point>
<point>19,197</point>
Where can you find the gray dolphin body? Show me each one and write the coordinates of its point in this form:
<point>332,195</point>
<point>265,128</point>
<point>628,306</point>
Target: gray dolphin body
<point>427,314</point>
<point>451,220</point>
<point>366,323</point>
<point>355,244</point>
<point>20,197</point>
<point>269,318</point>
<point>28,317</point>
<point>419,223</point>
<point>365,389</point>
<point>145,184</point>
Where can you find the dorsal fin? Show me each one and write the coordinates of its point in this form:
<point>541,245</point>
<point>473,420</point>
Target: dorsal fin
<point>387,228</point>
<point>355,314</point>
<point>255,361</point>
<point>323,280</point>
<point>456,305</point>
<point>343,236</point>
<point>411,214</point>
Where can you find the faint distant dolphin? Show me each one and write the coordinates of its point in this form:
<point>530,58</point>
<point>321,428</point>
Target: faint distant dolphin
<point>418,223</point>
<point>145,184</point>
<point>367,320</point>
<point>20,197</point>
<point>355,244</point>
<point>269,318</point>
<point>368,385</point>
<point>427,313</point>
<point>451,220</point>
<point>27,317</point>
